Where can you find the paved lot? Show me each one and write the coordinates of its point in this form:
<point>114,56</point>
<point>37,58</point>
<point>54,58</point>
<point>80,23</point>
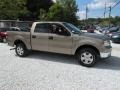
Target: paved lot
<point>46,71</point>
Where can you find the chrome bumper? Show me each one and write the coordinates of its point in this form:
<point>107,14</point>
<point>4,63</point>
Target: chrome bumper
<point>105,55</point>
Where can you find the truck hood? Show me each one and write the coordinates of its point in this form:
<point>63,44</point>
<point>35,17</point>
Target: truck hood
<point>98,36</point>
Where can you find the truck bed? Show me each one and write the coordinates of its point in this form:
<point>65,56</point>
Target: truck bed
<point>19,35</point>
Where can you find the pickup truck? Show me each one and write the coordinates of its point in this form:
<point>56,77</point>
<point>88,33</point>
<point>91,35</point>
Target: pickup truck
<point>61,37</point>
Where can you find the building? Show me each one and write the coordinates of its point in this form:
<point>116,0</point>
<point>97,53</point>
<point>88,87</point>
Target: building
<point>7,23</point>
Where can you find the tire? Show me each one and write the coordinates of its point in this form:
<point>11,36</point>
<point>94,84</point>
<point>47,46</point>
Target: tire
<point>87,57</point>
<point>21,50</point>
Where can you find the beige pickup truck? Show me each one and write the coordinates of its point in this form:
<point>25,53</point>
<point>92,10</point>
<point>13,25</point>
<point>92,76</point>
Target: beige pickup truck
<point>61,37</point>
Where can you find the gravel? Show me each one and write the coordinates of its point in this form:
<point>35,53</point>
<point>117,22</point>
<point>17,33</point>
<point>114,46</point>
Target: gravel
<point>48,71</point>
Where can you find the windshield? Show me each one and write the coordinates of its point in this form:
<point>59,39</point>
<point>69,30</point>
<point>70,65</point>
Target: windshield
<point>72,28</point>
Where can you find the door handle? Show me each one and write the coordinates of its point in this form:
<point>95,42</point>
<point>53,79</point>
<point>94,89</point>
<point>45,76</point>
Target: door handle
<point>33,36</point>
<point>50,37</point>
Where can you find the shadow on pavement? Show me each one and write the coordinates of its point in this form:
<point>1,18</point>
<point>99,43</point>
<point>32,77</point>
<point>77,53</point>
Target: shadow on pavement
<point>112,63</point>
<point>54,57</point>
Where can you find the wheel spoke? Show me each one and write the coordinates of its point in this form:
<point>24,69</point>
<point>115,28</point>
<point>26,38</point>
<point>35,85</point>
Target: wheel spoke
<point>20,50</point>
<point>87,57</point>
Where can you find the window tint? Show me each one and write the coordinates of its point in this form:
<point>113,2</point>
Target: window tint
<point>60,30</point>
<point>42,28</point>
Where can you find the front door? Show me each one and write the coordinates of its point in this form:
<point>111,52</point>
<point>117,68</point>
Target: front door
<point>60,40</point>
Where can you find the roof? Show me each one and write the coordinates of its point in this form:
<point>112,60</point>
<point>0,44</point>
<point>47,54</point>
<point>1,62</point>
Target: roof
<point>49,22</point>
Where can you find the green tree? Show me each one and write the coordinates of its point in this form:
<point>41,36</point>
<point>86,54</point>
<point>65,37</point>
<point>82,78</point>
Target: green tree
<point>35,6</point>
<point>55,13</point>
<point>63,10</point>
<point>42,15</point>
<point>12,9</point>
<point>70,10</point>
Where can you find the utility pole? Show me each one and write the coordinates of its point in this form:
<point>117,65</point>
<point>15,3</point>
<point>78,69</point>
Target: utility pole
<point>110,11</point>
<point>86,12</point>
<point>105,11</point>
<point>110,15</point>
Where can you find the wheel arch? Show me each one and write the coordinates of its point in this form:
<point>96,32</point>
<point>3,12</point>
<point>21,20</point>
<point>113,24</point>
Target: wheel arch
<point>18,41</point>
<point>87,46</point>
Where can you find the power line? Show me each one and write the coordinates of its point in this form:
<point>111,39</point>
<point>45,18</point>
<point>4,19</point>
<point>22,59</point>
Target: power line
<point>114,6</point>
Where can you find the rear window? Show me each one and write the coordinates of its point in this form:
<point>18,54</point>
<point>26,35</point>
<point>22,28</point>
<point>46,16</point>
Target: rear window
<point>24,26</point>
<point>42,28</point>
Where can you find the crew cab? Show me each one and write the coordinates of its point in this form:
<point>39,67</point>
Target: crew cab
<point>61,37</point>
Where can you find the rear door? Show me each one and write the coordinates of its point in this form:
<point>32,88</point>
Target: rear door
<point>39,38</point>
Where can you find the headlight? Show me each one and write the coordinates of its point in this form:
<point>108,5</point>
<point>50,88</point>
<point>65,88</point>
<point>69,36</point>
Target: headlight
<point>107,43</point>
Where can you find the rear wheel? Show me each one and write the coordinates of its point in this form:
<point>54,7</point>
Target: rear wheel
<point>21,50</point>
<point>87,57</point>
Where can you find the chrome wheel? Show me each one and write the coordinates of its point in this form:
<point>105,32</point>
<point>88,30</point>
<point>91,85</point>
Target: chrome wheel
<point>87,58</point>
<point>20,50</point>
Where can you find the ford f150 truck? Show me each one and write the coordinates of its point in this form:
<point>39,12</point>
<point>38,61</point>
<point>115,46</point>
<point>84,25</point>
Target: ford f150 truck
<point>61,37</point>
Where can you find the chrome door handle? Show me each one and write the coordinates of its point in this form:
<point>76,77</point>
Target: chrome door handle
<point>50,37</point>
<point>33,36</point>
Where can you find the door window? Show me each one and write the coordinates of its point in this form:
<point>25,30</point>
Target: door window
<point>60,30</point>
<point>42,28</point>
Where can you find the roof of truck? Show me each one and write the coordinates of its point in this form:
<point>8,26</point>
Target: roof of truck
<point>49,22</point>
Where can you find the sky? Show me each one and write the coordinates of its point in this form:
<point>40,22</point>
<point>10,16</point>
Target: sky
<point>97,8</point>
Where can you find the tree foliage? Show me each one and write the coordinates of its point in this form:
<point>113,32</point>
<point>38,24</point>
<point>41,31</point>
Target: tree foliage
<point>56,13</point>
<point>70,10</point>
<point>101,21</point>
<point>42,15</point>
<point>11,9</point>
<point>62,10</point>
<point>23,9</point>
<point>35,7</point>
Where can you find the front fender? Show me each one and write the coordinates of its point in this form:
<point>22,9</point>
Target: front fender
<point>84,43</point>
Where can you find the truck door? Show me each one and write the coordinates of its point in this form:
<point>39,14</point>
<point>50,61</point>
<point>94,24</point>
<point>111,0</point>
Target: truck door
<point>39,38</point>
<point>60,40</point>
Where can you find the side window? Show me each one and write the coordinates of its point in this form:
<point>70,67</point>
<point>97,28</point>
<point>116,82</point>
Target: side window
<point>42,28</point>
<point>60,30</point>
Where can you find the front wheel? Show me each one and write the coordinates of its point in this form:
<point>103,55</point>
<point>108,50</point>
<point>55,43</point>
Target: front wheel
<point>87,57</point>
<point>21,50</point>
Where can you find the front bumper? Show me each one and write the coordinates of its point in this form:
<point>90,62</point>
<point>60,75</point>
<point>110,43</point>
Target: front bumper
<point>106,52</point>
<point>105,55</point>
